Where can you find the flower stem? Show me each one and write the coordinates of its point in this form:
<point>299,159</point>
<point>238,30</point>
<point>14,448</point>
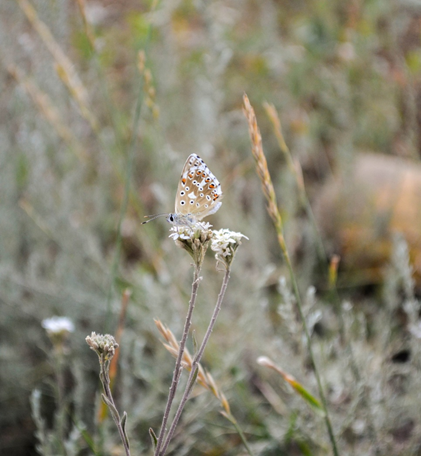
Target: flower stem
<point>178,368</point>
<point>105,380</point>
<point>196,360</point>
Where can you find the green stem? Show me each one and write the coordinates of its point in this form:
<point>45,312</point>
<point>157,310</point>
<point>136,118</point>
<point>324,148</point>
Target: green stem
<point>128,172</point>
<point>240,433</point>
<point>310,351</point>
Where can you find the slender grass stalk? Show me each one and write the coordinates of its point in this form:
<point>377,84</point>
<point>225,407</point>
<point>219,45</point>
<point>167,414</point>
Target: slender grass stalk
<point>234,422</point>
<point>195,365</point>
<point>178,367</point>
<point>67,73</point>
<point>125,202</point>
<point>295,168</point>
<point>65,70</point>
<point>127,178</point>
<point>269,192</point>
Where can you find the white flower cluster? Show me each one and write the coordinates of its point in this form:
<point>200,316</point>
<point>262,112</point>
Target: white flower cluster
<point>224,243</point>
<point>58,325</point>
<point>188,232</point>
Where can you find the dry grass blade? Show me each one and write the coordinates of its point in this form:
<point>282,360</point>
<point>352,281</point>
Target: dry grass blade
<point>298,387</point>
<point>64,67</point>
<point>87,26</point>
<point>45,107</point>
<point>263,172</point>
<point>205,379</point>
<point>261,163</point>
<point>269,192</point>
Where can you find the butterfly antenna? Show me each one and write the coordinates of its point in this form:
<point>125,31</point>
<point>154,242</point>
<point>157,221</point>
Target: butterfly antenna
<point>152,217</point>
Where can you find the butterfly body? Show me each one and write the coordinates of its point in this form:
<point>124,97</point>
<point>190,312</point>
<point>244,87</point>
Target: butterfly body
<point>198,194</point>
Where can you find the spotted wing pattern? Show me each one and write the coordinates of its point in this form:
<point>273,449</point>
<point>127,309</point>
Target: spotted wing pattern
<point>199,192</point>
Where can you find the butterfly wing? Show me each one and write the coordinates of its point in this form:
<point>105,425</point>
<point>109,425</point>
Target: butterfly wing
<point>199,191</point>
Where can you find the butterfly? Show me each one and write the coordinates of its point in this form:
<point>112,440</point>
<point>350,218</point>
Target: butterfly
<point>198,195</point>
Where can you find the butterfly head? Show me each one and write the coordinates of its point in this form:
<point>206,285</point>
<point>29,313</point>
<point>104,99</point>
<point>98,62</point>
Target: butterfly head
<point>181,219</point>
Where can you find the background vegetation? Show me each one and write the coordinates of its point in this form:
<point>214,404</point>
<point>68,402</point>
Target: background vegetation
<point>93,136</point>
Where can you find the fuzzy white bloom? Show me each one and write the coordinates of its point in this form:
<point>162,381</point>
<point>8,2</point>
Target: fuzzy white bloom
<point>194,238</point>
<point>225,243</point>
<point>58,325</point>
<point>188,232</point>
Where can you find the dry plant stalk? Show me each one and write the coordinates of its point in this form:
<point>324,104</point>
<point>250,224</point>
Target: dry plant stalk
<point>269,192</point>
<point>64,67</point>
<point>46,108</point>
<point>88,28</point>
<point>295,168</point>
<point>263,172</point>
<point>203,378</point>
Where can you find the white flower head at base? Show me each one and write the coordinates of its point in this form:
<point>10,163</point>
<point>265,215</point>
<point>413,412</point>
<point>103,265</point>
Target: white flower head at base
<point>58,330</point>
<point>225,243</point>
<point>194,238</point>
<point>57,325</point>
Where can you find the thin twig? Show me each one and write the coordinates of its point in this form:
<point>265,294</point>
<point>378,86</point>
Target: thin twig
<point>195,364</point>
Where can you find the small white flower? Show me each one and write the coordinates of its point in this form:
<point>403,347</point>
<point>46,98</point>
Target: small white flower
<point>415,330</point>
<point>224,243</point>
<point>58,325</point>
<point>186,232</point>
<point>194,238</point>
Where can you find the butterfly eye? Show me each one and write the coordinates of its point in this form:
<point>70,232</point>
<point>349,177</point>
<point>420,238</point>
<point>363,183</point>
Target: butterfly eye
<point>187,189</point>
<point>202,195</point>
<point>182,193</point>
<point>208,179</point>
<point>212,186</point>
<point>194,182</point>
<point>191,202</point>
<point>182,203</point>
<point>208,197</point>
<point>171,218</point>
